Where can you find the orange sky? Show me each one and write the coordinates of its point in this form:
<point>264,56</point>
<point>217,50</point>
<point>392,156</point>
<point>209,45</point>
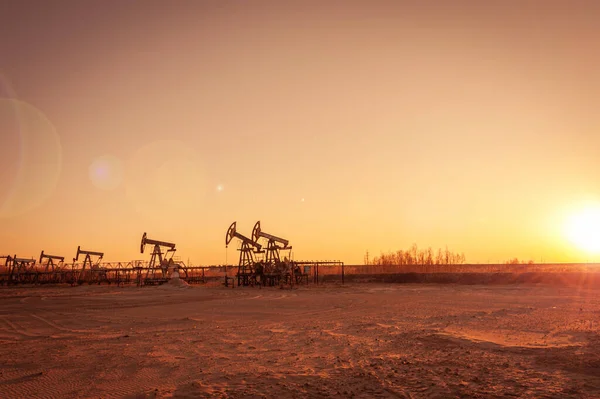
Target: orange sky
<point>472,125</point>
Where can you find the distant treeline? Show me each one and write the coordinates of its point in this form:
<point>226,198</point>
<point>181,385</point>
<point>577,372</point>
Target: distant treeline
<point>416,256</point>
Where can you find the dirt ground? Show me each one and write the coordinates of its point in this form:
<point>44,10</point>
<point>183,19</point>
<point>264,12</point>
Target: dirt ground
<point>361,340</point>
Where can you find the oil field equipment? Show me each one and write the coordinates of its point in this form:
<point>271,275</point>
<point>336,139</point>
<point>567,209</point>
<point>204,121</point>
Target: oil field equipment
<point>21,270</point>
<point>274,269</point>
<point>50,269</point>
<point>50,266</point>
<point>260,262</point>
<point>160,262</point>
<point>246,273</point>
<point>89,271</point>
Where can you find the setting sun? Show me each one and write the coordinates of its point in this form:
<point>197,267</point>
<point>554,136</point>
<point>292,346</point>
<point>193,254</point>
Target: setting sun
<point>583,229</point>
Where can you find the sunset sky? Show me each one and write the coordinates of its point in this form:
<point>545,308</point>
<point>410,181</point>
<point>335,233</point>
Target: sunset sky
<point>343,126</point>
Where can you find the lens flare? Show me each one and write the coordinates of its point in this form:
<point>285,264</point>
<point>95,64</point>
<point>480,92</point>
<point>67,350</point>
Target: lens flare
<point>31,160</point>
<point>106,172</point>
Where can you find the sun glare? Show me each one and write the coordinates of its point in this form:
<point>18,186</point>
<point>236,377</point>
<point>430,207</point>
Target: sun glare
<point>583,229</point>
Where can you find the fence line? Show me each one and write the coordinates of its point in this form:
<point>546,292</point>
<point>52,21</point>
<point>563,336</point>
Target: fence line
<point>316,271</point>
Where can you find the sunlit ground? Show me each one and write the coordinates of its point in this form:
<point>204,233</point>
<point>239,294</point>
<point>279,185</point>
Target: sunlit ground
<point>362,341</point>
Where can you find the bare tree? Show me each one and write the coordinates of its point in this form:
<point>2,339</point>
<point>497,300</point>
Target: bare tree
<point>414,253</point>
<point>424,257</point>
<point>439,258</point>
<point>429,256</point>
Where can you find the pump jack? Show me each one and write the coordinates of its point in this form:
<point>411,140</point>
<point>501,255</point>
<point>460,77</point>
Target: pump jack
<point>50,268</point>
<point>21,270</point>
<point>274,269</point>
<point>88,268</point>
<point>246,268</point>
<point>158,262</point>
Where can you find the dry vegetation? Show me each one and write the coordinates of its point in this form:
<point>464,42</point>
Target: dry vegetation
<point>422,257</point>
<point>367,340</point>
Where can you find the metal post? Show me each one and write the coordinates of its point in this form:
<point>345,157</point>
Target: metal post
<point>342,273</point>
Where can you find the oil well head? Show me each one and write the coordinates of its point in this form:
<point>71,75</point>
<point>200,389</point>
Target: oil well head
<point>257,234</point>
<point>80,251</point>
<point>256,231</point>
<point>50,257</point>
<point>149,241</point>
<point>23,261</point>
<point>232,232</point>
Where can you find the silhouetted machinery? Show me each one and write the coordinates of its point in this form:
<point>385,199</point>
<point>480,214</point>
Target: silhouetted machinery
<point>274,269</point>
<point>51,268</point>
<point>21,270</point>
<point>272,249</point>
<point>246,267</point>
<point>160,263</point>
<point>90,271</point>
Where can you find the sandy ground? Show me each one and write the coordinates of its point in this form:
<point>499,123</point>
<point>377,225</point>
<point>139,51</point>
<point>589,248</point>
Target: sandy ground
<point>369,340</point>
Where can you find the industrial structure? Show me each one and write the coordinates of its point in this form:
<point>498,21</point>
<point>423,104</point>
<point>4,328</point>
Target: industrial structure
<point>275,271</point>
<point>51,266</point>
<point>21,269</point>
<point>259,265</point>
<point>247,266</point>
<point>161,263</point>
<point>89,270</point>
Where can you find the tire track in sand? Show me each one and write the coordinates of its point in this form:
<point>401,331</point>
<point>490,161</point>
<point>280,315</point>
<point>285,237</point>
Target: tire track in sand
<point>56,326</point>
<point>18,329</point>
<point>32,326</point>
